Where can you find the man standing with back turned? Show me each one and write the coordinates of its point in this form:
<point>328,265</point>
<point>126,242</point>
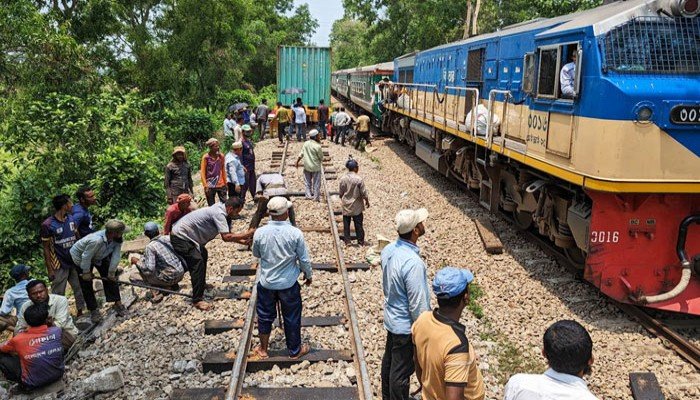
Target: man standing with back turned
<point>312,154</point>
<point>280,246</point>
<point>406,297</point>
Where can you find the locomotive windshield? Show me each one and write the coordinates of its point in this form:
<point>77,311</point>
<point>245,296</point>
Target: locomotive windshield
<point>654,45</point>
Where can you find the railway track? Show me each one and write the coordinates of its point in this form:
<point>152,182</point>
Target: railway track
<point>239,361</point>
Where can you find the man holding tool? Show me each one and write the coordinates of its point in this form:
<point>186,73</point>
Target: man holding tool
<point>160,266</point>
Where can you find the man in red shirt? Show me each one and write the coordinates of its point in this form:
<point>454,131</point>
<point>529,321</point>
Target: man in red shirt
<point>34,358</point>
<point>174,212</point>
<point>213,172</point>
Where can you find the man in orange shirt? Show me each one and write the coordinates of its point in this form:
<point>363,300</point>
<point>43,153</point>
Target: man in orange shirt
<point>213,173</point>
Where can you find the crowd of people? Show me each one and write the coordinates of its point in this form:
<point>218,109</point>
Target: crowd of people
<point>430,342</point>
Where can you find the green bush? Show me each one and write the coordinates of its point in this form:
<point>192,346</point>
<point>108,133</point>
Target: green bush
<point>183,126</point>
<point>128,180</point>
<point>224,99</point>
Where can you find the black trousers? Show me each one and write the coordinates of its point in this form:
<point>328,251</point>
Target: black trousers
<point>196,259</point>
<point>359,229</point>
<point>360,136</point>
<point>262,210</point>
<point>213,192</point>
<point>342,131</point>
<point>232,189</point>
<point>397,367</point>
<point>111,288</point>
<point>282,131</point>
<point>10,367</point>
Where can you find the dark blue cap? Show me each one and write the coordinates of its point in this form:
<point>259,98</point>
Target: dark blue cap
<point>18,270</point>
<point>451,281</point>
<point>351,164</point>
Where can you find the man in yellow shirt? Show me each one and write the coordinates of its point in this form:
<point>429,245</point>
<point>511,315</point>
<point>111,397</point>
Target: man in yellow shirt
<point>362,127</point>
<point>284,116</point>
<point>446,364</point>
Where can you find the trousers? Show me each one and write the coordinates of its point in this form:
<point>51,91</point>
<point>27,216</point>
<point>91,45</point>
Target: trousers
<point>301,132</point>
<point>196,257</point>
<point>359,229</point>
<point>360,136</point>
<point>262,127</point>
<point>290,303</point>
<point>397,367</point>
<point>249,185</point>
<point>312,183</point>
<point>282,131</point>
<point>262,210</point>
<point>340,135</point>
<point>213,192</point>
<point>111,288</point>
<point>322,128</point>
<point>68,275</point>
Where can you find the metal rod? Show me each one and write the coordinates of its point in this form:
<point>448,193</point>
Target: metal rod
<point>144,286</point>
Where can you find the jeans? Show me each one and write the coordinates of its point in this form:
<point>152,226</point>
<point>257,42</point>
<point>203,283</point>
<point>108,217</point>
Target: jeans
<point>397,367</point>
<point>262,210</point>
<point>359,229</point>
<point>340,135</point>
<point>282,131</point>
<point>213,192</point>
<point>312,183</point>
<point>290,303</point>
<point>322,129</point>
<point>249,185</point>
<point>301,133</point>
<point>196,257</point>
<point>262,127</point>
<point>360,136</point>
<point>70,276</point>
<point>111,288</point>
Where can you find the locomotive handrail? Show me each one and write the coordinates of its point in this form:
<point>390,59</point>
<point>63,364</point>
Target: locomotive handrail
<point>489,122</point>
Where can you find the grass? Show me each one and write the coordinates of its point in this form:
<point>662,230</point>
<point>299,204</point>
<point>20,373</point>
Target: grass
<point>376,161</point>
<point>475,292</point>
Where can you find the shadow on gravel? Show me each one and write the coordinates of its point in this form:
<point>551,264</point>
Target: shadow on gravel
<point>577,295</point>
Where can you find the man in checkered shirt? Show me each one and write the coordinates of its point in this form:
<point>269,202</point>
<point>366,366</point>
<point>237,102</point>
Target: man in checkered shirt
<point>160,265</point>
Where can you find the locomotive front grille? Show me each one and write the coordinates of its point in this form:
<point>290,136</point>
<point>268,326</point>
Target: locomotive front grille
<point>660,45</point>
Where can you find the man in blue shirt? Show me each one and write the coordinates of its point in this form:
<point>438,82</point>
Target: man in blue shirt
<point>14,297</point>
<point>235,173</point>
<point>81,212</point>
<point>406,296</point>
<point>59,233</point>
<point>101,250</point>
<point>283,255</point>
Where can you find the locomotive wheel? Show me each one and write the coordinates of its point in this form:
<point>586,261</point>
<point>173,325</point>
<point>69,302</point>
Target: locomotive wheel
<point>576,256</point>
<point>523,220</point>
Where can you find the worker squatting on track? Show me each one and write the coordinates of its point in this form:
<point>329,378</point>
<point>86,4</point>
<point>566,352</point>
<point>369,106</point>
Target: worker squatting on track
<point>433,345</point>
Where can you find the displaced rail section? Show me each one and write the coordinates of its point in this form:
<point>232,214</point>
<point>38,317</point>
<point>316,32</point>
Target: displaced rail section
<point>242,361</point>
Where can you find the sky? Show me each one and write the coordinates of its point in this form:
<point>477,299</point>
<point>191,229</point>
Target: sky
<point>325,12</point>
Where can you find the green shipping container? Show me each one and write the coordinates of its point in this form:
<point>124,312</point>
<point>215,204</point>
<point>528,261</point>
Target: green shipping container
<point>303,72</point>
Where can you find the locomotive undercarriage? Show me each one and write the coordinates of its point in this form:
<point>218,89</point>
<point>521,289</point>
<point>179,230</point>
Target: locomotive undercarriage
<point>558,210</point>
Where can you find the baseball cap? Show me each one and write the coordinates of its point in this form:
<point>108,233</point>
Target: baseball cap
<point>150,227</point>
<point>278,205</point>
<point>313,133</point>
<point>18,270</point>
<point>183,198</point>
<point>237,145</point>
<point>451,281</point>
<point>406,220</point>
<point>211,141</point>
<point>351,164</point>
<point>179,149</point>
<point>246,127</point>
<point>115,225</point>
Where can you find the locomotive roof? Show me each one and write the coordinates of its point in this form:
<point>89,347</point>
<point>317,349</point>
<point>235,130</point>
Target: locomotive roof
<point>386,66</point>
<point>601,19</point>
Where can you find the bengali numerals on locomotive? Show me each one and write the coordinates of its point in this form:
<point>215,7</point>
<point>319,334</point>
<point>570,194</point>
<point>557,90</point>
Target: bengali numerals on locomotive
<point>685,114</point>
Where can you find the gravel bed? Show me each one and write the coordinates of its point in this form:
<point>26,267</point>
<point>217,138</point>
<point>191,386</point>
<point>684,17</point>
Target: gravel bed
<point>523,292</point>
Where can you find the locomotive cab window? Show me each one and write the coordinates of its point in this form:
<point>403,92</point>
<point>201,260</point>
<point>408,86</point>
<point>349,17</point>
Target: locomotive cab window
<point>548,77</point>
<point>559,72</point>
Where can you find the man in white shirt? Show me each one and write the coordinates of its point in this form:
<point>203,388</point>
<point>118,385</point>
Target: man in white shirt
<point>567,76</point>
<point>300,120</point>
<point>229,124</point>
<point>568,349</point>
<point>342,121</point>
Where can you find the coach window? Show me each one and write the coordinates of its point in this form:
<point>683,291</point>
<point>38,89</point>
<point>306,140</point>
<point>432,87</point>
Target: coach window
<point>548,75</point>
<point>529,73</point>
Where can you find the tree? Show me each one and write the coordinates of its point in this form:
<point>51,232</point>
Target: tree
<point>349,44</point>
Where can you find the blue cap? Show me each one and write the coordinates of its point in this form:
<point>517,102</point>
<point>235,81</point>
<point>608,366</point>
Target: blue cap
<point>150,227</point>
<point>351,164</point>
<point>451,281</point>
<point>18,270</point>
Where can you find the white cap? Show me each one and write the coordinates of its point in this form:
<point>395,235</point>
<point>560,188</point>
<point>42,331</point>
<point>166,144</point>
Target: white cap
<point>406,220</point>
<point>278,205</point>
<point>313,133</point>
<point>237,145</point>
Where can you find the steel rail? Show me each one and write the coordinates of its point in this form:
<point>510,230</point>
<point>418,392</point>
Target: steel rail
<point>363,384</point>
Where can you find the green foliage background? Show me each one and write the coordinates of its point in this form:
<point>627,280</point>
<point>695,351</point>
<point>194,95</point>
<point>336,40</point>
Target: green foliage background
<point>98,92</point>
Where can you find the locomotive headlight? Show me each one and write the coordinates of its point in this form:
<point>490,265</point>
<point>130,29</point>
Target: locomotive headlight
<point>685,8</point>
<point>644,114</point>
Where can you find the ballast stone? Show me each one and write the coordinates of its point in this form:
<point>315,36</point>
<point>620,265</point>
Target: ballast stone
<point>107,380</point>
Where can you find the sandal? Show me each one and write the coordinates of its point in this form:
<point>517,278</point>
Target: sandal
<point>202,305</point>
<point>305,349</point>
<point>258,354</point>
